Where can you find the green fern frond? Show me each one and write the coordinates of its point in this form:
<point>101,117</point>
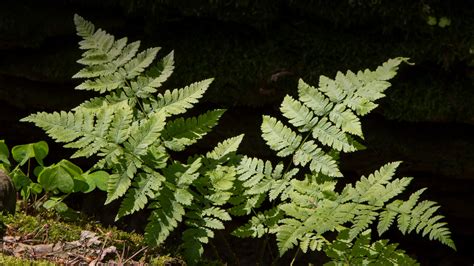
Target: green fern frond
<point>299,115</point>
<point>120,124</point>
<point>421,218</point>
<point>360,105</point>
<point>252,170</point>
<point>364,216</point>
<point>343,251</point>
<point>260,224</point>
<point>62,127</point>
<point>91,57</point>
<point>145,134</point>
<point>193,239</point>
<point>179,100</point>
<point>183,196</point>
<point>127,54</point>
<point>144,187</point>
<point>279,137</point>
<point>281,187</point>
<point>159,73</point>
<point>222,177</point>
<point>145,86</point>
<point>389,69</point>
<point>314,99</point>
<point>89,130</point>
<point>202,223</point>
<point>164,218</point>
<point>346,120</point>
<point>120,181</point>
<point>259,177</point>
<point>103,84</point>
<point>386,219</point>
<point>213,223</point>
<point>100,40</point>
<point>183,175</point>
<point>217,212</point>
<point>181,132</point>
<point>372,188</point>
<point>137,65</point>
<point>334,89</point>
<point>84,28</point>
<point>395,188</point>
<point>288,233</point>
<point>225,148</point>
<point>244,205</point>
<point>319,161</point>
<point>97,70</point>
<point>103,121</point>
<point>328,134</point>
<point>313,242</point>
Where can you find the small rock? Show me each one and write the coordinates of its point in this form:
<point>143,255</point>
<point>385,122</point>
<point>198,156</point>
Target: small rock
<point>7,194</point>
<point>42,249</point>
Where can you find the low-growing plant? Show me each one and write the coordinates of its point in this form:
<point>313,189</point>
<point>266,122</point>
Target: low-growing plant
<point>46,186</point>
<point>130,131</point>
<point>307,206</point>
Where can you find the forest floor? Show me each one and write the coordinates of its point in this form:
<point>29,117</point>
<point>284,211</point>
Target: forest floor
<point>44,239</point>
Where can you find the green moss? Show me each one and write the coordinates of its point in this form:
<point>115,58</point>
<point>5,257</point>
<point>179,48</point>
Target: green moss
<point>52,230</point>
<point>165,261</point>
<point>11,260</point>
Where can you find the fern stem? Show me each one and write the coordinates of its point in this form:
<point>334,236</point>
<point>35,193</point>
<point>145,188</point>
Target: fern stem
<point>137,99</point>
<point>299,146</point>
<point>294,257</point>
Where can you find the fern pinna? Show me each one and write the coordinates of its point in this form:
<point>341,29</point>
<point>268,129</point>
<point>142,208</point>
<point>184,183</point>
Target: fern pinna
<point>127,128</point>
<point>324,122</point>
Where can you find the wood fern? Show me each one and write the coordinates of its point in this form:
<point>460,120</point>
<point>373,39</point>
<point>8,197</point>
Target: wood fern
<point>323,122</point>
<point>129,131</point>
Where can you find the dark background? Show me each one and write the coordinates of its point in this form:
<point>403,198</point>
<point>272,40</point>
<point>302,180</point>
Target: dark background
<point>426,120</point>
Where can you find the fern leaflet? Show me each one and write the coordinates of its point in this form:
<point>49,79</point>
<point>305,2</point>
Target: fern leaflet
<point>183,132</point>
<point>145,186</point>
<point>279,137</point>
<point>179,100</point>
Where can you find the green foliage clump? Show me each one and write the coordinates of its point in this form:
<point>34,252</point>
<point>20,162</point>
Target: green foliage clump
<point>131,132</point>
<point>362,252</point>
<point>324,122</point>
<point>46,186</point>
<point>129,128</point>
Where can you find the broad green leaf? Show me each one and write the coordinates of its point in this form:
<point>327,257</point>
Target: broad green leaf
<point>38,170</point>
<point>81,185</point>
<point>38,150</point>
<point>20,179</point>
<point>35,188</point>
<point>99,178</point>
<point>4,154</point>
<point>56,177</point>
<point>71,168</point>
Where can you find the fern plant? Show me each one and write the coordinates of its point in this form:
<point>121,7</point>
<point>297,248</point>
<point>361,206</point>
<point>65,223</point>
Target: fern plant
<point>323,122</point>
<point>130,130</point>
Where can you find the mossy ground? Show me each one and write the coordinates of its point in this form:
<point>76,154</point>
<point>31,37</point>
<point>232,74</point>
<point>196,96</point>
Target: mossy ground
<point>46,229</point>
